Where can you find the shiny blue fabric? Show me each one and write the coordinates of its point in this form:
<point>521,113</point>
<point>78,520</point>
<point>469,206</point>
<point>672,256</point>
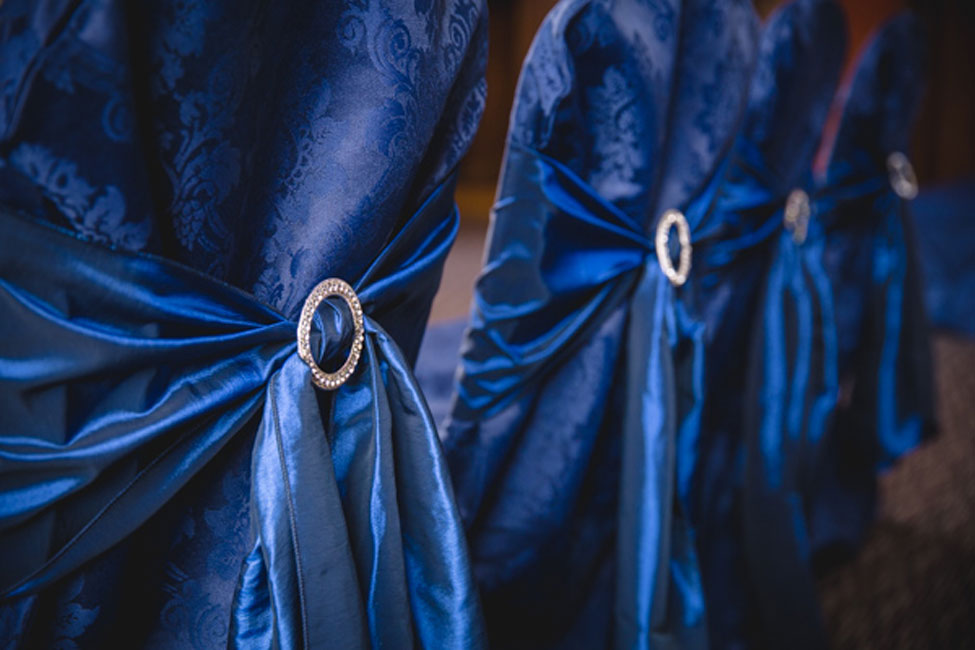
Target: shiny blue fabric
<point>838,379</point>
<point>885,403</point>
<point>357,541</point>
<point>573,434</point>
<point>718,426</point>
<point>943,220</point>
<point>268,146</point>
<point>766,304</point>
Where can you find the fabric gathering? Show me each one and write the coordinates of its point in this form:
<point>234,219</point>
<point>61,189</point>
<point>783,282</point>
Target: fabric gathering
<point>557,324</point>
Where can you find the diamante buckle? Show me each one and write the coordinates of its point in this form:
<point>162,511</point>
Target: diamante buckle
<point>669,219</point>
<point>902,176</point>
<point>326,289</point>
<point>796,216</point>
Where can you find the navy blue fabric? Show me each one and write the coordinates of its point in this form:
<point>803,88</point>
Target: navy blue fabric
<point>572,437</point>
<point>765,303</point>
<point>267,146</point>
<point>943,220</point>
<point>631,460</point>
<point>885,403</point>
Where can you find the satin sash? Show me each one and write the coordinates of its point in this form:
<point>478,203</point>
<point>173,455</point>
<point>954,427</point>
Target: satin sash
<point>572,266</point>
<point>770,386</point>
<point>886,404</point>
<point>122,375</point>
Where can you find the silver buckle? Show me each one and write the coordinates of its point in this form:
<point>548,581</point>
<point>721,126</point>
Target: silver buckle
<point>902,177</point>
<point>674,218</point>
<point>326,289</point>
<point>796,215</point>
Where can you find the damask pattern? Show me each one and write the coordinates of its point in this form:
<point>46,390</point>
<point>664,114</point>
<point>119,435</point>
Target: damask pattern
<point>373,106</point>
<point>73,618</point>
<point>596,63</point>
<point>96,213</point>
<point>266,144</point>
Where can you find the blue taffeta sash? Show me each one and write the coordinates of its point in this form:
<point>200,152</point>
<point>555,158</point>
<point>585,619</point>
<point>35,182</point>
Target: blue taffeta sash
<point>122,375</point>
<point>561,274</point>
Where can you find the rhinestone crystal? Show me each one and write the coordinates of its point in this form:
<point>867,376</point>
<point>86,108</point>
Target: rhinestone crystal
<point>902,177</point>
<point>670,219</point>
<point>327,289</point>
<point>796,215</point>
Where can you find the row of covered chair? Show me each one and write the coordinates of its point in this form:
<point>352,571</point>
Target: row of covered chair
<point>697,335</point>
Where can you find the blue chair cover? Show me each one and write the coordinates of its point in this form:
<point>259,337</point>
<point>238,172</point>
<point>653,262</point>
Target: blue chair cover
<point>168,474</point>
<point>575,424</point>
<point>765,301</point>
<point>885,403</point>
<point>943,218</point>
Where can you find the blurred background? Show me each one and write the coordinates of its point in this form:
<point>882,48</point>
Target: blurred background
<point>944,138</point>
<point>913,584</point>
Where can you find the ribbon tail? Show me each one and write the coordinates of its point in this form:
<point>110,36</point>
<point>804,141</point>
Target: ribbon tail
<point>358,542</point>
<point>442,594</point>
<point>784,379</point>
<point>659,599</point>
<point>305,567</point>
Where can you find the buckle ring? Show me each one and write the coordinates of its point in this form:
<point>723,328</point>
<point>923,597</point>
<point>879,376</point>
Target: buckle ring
<point>327,289</point>
<point>902,177</point>
<point>674,218</point>
<point>796,215</point>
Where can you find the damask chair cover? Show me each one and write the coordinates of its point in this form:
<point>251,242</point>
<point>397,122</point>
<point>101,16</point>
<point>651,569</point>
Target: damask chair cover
<point>575,427</point>
<point>884,362</point>
<point>175,178</point>
<point>709,503</point>
<point>762,295</point>
<point>943,218</point>
<point>839,373</point>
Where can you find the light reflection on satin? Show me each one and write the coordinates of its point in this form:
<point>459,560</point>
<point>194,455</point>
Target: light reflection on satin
<point>357,540</point>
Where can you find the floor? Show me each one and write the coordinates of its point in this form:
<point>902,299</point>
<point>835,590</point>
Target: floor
<point>913,583</point>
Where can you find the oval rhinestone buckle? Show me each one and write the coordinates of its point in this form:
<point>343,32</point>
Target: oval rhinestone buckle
<point>796,216</point>
<point>674,218</point>
<point>902,176</point>
<point>326,289</point>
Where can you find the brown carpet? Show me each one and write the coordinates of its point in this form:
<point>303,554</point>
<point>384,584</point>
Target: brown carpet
<point>913,583</point>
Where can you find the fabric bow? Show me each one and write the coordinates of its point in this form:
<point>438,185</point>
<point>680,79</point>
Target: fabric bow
<point>134,372</point>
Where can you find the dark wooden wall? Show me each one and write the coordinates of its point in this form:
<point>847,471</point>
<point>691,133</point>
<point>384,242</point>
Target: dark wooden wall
<point>944,139</point>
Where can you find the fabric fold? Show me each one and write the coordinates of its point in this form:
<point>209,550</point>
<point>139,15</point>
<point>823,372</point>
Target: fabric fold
<point>357,539</point>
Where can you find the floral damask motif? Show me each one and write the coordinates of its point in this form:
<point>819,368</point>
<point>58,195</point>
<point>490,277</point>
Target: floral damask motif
<point>96,213</point>
<point>229,523</point>
<point>201,162</point>
<point>190,615</point>
<point>205,563</point>
<point>72,619</point>
<point>460,28</point>
<point>182,38</point>
<point>545,81</point>
<point>395,63</point>
<point>664,16</point>
<point>618,132</point>
<point>262,142</point>
<point>18,45</point>
<point>397,59</point>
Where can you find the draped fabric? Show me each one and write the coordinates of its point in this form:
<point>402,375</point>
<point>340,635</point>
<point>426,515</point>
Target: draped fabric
<point>766,304</point>
<point>886,405</point>
<point>810,451</point>
<point>572,437</point>
<point>169,475</point>
<point>638,464</point>
<point>943,221</point>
